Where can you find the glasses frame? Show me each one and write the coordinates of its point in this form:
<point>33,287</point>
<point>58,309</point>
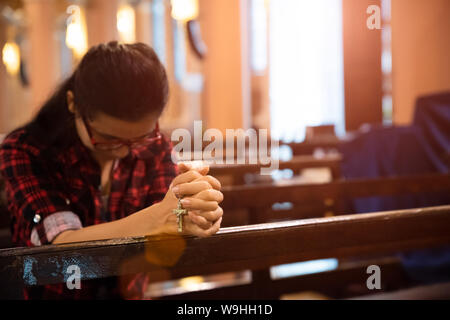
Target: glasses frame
<point>116,144</point>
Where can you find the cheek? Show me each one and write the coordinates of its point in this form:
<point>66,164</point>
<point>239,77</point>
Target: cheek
<point>83,135</point>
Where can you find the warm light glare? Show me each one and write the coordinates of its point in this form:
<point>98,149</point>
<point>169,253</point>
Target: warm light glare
<point>126,24</point>
<point>76,38</point>
<point>191,283</point>
<point>11,57</point>
<point>184,10</point>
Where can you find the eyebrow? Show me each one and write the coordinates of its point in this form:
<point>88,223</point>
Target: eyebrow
<point>108,136</point>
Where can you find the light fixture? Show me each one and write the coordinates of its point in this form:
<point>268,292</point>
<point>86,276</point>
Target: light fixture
<point>76,38</point>
<point>184,10</point>
<point>11,57</point>
<point>126,23</point>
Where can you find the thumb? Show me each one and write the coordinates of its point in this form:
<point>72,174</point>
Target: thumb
<point>200,167</point>
<point>203,170</point>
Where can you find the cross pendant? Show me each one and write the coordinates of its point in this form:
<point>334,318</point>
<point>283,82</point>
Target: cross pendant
<point>180,212</point>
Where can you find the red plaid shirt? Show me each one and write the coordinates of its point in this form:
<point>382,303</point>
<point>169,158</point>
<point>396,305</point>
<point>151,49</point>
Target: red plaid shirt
<point>51,190</point>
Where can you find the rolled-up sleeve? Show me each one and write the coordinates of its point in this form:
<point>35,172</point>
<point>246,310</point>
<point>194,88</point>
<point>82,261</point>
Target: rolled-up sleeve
<point>53,225</point>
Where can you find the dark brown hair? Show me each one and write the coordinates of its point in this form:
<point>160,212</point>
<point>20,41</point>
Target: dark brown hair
<point>125,81</point>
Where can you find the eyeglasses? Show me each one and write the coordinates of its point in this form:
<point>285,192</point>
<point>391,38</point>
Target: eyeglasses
<point>115,144</point>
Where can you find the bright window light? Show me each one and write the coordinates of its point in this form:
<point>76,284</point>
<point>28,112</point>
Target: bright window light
<point>126,24</point>
<point>306,66</point>
<point>184,10</point>
<point>303,268</point>
<point>76,35</point>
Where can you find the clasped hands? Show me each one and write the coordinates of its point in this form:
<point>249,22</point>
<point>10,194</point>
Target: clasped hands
<point>200,195</point>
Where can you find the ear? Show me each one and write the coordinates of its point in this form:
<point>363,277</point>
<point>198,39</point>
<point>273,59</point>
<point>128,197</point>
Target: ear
<point>70,101</point>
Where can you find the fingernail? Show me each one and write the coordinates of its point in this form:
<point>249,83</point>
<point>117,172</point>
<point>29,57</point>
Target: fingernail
<point>185,202</point>
<point>176,190</point>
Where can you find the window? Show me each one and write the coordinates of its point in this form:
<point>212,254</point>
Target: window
<point>306,66</point>
<point>386,61</point>
<point>159,29</point>
<point>179,50</point>
<point>259,36</point>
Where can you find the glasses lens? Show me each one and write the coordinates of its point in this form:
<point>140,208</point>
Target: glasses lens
<point>144,143</point>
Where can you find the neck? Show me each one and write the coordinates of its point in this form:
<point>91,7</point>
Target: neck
<point>101,160</point>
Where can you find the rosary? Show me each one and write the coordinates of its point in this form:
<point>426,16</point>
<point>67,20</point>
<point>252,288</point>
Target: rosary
<point>180,212</point>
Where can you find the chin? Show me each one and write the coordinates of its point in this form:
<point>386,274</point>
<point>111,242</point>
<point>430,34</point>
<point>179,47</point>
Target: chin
<point>113,157</point>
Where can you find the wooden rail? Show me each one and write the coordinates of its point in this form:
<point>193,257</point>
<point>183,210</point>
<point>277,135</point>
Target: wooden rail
<point>261,195</point>
<point>232,249</point>
<point>296,164</point>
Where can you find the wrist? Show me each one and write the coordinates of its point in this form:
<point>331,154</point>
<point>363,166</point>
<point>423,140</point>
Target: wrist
<point>153,219</point>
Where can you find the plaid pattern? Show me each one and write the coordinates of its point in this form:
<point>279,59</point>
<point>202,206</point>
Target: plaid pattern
<point>50,191</point>
<point>55,224</point>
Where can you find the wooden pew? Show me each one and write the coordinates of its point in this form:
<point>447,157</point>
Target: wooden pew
<point>250,204</point>
<point>316,200</point>
<point>308,147</point>
<point>253,247</point>
<point>235,173</point>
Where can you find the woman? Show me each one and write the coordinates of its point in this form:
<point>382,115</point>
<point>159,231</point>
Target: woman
<point>93,165</point>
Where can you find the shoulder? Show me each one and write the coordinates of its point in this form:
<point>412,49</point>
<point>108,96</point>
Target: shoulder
<point>159,155</point>
<point>20,141</point>
<point>164,144</point>
<point>157,150</point>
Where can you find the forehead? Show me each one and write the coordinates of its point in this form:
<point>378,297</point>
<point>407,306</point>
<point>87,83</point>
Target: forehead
<point>119,128</point>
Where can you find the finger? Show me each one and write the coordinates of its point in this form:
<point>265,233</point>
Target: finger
<point>211,216</point>
<point>198,166</point>
<point>184,167</point>
<point>212,181</point>
<point>199,232</point>
<point>198,204</point>
<point>203,170</point>
<point>191,188</point>
<point>200,221</point>
<point>189,176</point>
<point>209,195</point>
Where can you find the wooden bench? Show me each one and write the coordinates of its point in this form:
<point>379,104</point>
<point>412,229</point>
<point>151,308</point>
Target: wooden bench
<point>250,204</point>
<point>234,174</point>
<point>253,247</point>
<point>309,147</point>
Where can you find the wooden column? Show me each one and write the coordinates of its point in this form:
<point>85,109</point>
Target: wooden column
<point>420,53</point>
<point>101,20</point>
<point>43,57</point>
<point>227,101</point>
<point>3,93</point>
<point>144,22</point>
<point>260,86</point>
<point>362,65</point>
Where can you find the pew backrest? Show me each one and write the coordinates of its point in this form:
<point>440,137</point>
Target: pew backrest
<point>232,249</point>
<point>298,163</point>
<point>316,200</point>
